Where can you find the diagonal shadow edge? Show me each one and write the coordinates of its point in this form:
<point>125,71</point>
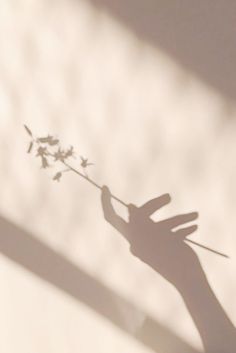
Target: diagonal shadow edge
<point>192,33</point>
<point>36,257</point>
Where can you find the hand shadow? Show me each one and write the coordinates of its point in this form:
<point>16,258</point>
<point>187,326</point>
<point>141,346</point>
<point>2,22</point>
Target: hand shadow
<point>161,246</point>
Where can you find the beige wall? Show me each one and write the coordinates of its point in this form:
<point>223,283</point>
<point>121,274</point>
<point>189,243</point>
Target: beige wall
<point>150,125</point>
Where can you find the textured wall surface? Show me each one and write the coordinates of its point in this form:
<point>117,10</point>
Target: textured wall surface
<point>151,126</point>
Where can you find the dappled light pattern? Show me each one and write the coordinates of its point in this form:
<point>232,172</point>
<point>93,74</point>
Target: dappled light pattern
<point>73,71</point>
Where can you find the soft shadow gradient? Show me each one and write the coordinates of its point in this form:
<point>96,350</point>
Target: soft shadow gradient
<point>38,258</point>
<point>162,247</point>
<point>199,35</point>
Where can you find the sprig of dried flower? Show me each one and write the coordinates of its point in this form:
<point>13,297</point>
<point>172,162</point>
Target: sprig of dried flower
<point>49,150</point>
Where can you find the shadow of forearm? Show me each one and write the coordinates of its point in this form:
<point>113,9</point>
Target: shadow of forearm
<point>52,267</point>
